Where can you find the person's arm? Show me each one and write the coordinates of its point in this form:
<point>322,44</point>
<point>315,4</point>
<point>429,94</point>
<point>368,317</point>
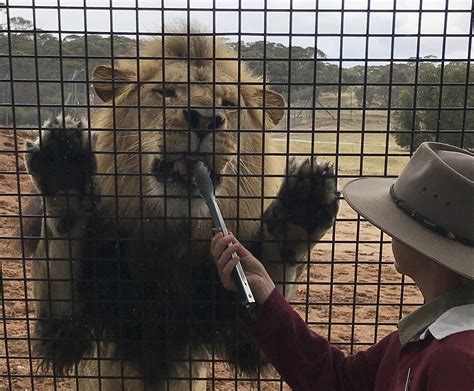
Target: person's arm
<point>305,360</point>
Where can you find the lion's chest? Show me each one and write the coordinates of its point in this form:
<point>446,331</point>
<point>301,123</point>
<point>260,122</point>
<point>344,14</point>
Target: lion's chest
<point>151,275</point>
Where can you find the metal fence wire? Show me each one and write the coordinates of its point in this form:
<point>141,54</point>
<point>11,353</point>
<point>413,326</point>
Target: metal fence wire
<point>107,281</point>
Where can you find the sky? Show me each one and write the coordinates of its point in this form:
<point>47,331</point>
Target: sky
<point>429,19</point>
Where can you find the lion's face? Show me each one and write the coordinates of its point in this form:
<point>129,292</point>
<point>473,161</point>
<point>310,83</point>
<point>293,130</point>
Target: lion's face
<point>191,122</point>
<point>170,118</point>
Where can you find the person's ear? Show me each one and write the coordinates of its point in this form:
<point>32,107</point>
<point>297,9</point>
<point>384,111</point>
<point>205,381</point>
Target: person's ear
<point>109,82</point>
<point>274,105</point>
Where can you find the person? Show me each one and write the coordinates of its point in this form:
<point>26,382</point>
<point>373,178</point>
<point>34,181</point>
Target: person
<point>429,213</point>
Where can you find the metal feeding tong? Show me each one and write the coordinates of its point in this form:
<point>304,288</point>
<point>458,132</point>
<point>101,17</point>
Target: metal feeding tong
<point>206,188</point>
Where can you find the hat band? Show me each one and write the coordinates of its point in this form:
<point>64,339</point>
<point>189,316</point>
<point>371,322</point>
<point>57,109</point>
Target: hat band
<point>425,222</point>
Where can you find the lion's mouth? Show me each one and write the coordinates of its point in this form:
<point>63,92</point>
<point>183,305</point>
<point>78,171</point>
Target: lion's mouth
<point>179,171</point>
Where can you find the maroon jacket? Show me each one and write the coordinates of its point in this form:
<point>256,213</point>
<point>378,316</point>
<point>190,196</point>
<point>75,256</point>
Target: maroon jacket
<point>306,361</point>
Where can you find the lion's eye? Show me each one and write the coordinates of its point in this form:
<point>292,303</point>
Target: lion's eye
<point>228,103</point>
<point>165,92</point>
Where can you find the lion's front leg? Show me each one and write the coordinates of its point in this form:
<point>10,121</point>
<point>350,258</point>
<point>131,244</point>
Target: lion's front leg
<point>302,212</point>
<point>61,165</point>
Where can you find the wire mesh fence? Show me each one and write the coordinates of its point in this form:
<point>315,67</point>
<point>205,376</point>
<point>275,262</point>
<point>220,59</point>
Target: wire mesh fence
<point>107,281</point>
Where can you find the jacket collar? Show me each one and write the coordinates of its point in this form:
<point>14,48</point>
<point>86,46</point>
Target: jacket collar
<point>455,320</point>
<point>415,325</point>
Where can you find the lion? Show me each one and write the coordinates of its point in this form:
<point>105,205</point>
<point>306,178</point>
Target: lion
<point>126,292</point>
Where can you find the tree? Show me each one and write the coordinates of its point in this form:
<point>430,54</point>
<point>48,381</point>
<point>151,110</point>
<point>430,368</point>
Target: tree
<point>48,87</point>
<point>437,118</point>
<point>298,72</point>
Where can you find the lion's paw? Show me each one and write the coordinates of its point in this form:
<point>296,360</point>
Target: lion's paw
<point>61,160</point>
<point>308,199</point>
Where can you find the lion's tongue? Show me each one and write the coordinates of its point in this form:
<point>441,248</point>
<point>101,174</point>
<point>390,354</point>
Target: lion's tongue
<point>184,166</point>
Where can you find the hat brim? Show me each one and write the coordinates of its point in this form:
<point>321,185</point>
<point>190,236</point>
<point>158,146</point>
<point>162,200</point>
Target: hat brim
<point>370,197</point>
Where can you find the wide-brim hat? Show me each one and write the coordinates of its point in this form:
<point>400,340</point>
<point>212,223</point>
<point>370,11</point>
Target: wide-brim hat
<point>429,207</point>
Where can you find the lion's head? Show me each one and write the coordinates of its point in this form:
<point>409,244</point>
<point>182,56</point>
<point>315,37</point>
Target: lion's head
<point>178,103</point>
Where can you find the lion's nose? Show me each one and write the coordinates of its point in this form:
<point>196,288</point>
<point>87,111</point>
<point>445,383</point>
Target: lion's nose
<point>204,122</point>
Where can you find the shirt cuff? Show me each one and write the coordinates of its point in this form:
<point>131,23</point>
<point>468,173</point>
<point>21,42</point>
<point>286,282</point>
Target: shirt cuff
<point>271,316</point>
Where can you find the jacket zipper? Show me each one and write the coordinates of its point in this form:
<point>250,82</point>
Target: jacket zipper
<point>407,383</point>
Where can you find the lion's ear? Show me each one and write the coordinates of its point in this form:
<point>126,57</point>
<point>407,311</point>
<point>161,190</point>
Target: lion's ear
<point>108,82</point>
<point>274,103</point>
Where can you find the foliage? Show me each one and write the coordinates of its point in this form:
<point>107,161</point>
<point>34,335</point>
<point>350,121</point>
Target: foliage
<point>35,57</point>
<point>300,71</point>
<point>441,112</point>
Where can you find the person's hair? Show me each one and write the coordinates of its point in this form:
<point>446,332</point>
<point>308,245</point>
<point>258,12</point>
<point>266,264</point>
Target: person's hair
<point>466,281</point>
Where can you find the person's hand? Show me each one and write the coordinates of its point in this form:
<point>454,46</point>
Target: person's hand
<point>260,282</point>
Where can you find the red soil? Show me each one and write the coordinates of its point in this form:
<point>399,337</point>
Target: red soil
<point>351,315</point>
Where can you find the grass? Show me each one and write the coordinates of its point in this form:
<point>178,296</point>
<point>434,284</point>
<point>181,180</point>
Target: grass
<point>342,138</point>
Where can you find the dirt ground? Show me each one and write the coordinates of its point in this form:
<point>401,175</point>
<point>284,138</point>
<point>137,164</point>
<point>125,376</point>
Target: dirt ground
<point>351,293</point>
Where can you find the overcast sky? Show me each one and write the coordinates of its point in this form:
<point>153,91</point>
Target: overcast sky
<point>433,21</point>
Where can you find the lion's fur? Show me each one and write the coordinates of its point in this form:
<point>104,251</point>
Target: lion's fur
<point>145,255</point>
